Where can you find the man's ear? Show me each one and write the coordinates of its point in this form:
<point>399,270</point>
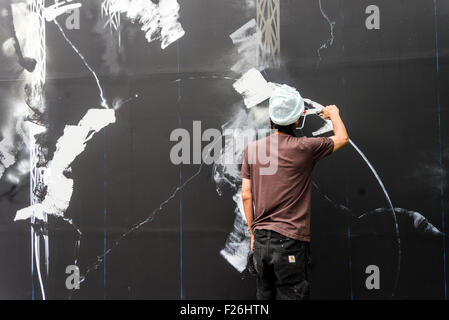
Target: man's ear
<point>297,123</point>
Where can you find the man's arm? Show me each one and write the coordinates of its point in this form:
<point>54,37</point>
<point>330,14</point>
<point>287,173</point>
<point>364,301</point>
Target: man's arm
<point>247,198</point>
<point>340,136</point>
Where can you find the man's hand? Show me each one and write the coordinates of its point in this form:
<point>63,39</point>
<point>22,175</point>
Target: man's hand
<point>330,111</point>
<point>252,242</point>
<point>340,136</point>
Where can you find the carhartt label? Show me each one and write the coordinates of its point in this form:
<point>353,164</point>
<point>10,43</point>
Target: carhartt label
<point>291,259</point>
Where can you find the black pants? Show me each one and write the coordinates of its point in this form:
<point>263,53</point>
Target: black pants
<point>281,264</point>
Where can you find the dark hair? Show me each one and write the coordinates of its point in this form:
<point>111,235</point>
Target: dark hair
<point>290,129</point>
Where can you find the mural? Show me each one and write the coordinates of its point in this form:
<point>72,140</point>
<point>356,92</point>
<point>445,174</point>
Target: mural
<point>96,94</point>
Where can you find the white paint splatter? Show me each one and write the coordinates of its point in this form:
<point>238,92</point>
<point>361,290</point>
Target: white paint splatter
<point>159,21</point>
<point>254,88</point>
<point>248,40</point>
<point>227,174</point>
<point>238,243</point>
<point>71,144</point>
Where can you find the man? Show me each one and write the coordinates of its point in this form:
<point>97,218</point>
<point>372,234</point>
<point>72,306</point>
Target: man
<point>277,206</point>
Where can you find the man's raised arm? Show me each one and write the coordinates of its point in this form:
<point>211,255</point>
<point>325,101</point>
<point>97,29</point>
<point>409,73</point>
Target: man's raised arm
<point>340,136</point>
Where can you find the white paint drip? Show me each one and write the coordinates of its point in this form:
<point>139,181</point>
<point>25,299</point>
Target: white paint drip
<point>158,21</point>
<point>71,144</point>
<point>104,104</point>
<point>329,41</point>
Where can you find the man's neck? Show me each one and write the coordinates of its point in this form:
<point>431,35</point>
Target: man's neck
<point>285,134</point>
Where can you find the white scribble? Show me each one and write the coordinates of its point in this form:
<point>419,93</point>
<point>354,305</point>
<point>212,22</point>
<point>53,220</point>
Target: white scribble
<point>248,40</point>
<point>158,21</point>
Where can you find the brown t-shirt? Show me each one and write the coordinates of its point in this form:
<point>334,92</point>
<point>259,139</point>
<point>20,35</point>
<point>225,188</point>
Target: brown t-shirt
<point>282,198</point>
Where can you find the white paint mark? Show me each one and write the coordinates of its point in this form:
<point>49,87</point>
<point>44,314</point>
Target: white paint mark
<point>329,41</point>
<point>71,144</point>
<point>238,243</point>
<point>104,103</point>
<point>158,21</point>
<point>227,174</point>
<point>254,88</point>
<point>248,40</point>
<point>37,260</point>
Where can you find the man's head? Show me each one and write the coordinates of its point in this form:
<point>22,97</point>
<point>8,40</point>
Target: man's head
<point>286,107</point>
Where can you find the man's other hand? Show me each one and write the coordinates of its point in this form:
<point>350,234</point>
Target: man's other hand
<point>330,111</point>
<point>252,242</point>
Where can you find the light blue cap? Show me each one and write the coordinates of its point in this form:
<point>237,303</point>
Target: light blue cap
<point>286,105</point>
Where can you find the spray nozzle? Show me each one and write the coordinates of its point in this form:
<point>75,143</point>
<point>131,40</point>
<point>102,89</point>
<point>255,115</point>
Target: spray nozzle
<point>316,108</point>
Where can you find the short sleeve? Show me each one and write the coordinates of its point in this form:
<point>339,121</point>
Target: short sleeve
<point>321,147</point>
<point>246,172</point>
